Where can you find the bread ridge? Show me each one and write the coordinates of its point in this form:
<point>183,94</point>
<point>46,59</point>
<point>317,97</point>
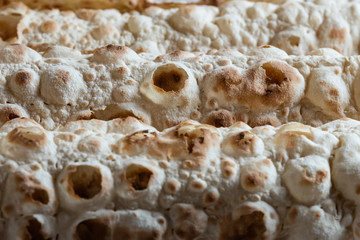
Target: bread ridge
<point>298,27</point>
<point>219,87</point>
<point>127,175</point>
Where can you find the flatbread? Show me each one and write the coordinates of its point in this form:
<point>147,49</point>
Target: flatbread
<point>219,87</point>
<point>107,178</point>
<point>122,5</point>
<point>297,27</point>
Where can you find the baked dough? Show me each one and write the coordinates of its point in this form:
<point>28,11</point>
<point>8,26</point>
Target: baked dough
<point>192,181</point>
<point>219,87</point>
<point>298,27</point>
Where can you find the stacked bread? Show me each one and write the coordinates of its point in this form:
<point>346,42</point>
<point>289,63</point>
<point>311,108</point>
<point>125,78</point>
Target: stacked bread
<point>217,87</point>
<point>93,179</point>
<point>180,123</point>
<point>297,27</point>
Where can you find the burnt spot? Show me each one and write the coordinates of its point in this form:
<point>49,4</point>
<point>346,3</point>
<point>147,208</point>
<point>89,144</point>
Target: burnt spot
<point>221,118</point>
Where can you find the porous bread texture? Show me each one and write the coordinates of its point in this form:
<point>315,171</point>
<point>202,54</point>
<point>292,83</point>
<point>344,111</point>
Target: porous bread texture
<point>219,87</point>
<point>190,181</point>
<point>314,223</point>
<point>30,227</point>
<point>122,5</point>
<point>297,26</point>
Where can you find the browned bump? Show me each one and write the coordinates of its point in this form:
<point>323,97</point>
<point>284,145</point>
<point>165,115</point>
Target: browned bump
<point>33,231</point>
<point>84,181</point>
<point>244,140</point>
<point>62,77</point>
<point>263,121</point>
<point>320,177</point>
<point>114,49</point>
<point>254,180</point>
<point>228,168</point>
<point>221,118</point>
<point>138,177</point>
<point>229,80</point>
<point>92,229</point>
<point>8,113</point>
<point>318,215</point>
<point>49,26</point>
<point>23,78</point>
<point>170,78</point>
<point>338,34</point>
<point>211,197</point>
<point>31,137</point>
<point>172,186</point>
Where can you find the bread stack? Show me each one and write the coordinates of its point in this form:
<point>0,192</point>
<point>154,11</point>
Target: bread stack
<point>179,120</point>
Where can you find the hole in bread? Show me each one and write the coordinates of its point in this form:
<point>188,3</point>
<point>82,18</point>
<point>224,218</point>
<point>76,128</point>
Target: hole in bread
<point>40,195</point>
<point>251,226</point>
<point>12,116</point>
<point>138,177</point>
<point>273,74</point>
<point>92,229</point>
<point>248,227</point>
<point>170,78</point>
<point>294,41</point>
<point>85,181</point>
<point>33,231</point>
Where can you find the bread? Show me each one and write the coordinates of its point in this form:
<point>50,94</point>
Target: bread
<point>185,182</point>
<point>297,27</point>
<point>218,87</point>
<point>122,5</point>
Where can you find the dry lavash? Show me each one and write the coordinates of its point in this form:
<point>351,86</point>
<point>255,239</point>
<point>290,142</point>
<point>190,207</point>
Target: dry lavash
<point>297,27</point>
<point>218,87</point>
<point>122,5</point>
<point>93,179</point>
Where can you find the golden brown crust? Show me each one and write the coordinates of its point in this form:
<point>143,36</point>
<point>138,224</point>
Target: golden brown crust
<point>31,188</point>
<point>221,118</point>
<point>30,137</point>
<point>8,113</point>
